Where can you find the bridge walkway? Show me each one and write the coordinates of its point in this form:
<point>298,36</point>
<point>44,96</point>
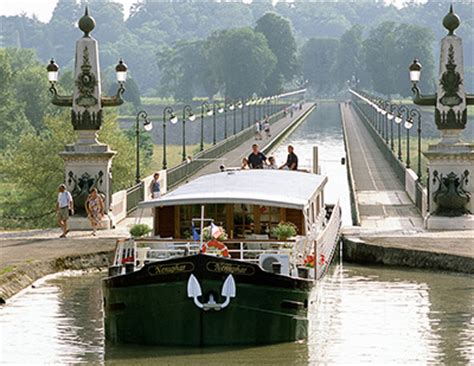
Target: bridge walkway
<point>380,198</point>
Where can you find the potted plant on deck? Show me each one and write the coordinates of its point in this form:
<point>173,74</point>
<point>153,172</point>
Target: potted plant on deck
<point>284,230</point>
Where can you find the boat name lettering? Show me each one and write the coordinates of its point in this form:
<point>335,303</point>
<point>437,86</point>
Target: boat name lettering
<point>230,268</point>
<point>165,269</point>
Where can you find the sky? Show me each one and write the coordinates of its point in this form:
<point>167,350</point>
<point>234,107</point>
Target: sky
<point>43,8</point>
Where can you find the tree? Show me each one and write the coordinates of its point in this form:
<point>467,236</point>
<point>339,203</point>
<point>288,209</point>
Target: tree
<point>277,30</point>
<point>318,57</point>
<point>389,50</point>
<point>35,168</point>
<point>13,122</point>
<point>349,60</point>
<point>185,71</point>
<point>241,60</point>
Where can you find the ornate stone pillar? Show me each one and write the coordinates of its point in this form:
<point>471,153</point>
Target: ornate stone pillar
<point>87,162</point>
<point>451,161</point>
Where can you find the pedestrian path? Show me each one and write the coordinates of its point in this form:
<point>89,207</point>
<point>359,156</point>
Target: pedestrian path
<point>234,157</point>
<point>380,198</point>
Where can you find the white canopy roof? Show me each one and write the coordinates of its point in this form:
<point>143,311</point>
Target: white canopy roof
<point>280,188</point>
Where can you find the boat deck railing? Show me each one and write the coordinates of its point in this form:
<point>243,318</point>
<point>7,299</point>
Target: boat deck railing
<point>149,250</point>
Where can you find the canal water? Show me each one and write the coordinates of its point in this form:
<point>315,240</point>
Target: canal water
<point>361,314</point>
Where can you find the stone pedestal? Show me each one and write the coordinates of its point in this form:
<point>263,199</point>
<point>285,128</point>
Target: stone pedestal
<point>88,165</point>
<point>454,158</point>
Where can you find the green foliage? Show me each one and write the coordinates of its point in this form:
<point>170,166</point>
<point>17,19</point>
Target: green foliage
<point>349,59</point>
<point>389,50</point>
<point>277,30</point>
<point>13,121</point>
<point>206,234</point>
<point>317,59</point>
<point>154,25</point>
<point>34,166</point>
<point>242,61</point>
<point>140,230</point>
<point>185,71</point>
<point>284,230</point>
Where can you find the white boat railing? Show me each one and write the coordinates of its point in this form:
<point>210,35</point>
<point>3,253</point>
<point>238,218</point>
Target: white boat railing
<point>326,241</point>
<point>246,250</point>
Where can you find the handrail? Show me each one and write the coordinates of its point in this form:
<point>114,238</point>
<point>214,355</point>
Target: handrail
<point>228,241</point>
<point>326,241</point>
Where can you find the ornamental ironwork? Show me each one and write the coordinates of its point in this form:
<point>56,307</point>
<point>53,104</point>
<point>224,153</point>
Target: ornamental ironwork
<point>450,196</point>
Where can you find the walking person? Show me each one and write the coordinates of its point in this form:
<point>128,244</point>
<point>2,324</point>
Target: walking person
<point>266,127</point>
<point>256,158</point>
<point>258,130</point>
<point>94,209</point>
<point>155,187</point>
<point>64,203</point>
<point>291,160</point>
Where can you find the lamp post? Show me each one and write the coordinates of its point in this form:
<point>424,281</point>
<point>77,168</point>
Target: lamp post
<point>148,126</point>
<point>225,119</point>
<point>398,120</point>
<point>408,125</point>
<point>187,114</point>
<point>383,112</point>
<point>173,119</point>
<point>240,105</point>
<point>234,126</point>
<point>214,115</point>
<point>390,117</point>
<point>248,103</point>
<point>415,113</point>
<point>220,110</point>
<point>208,113</point>
<point>86,159</point>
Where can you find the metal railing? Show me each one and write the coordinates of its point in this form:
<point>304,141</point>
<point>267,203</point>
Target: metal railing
<point>326,241</point>
<point>180,172</point>
<point>135,195</point>
<point>363,110</point>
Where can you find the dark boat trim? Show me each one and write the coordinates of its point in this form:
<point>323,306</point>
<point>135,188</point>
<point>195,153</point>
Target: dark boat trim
<point>209,267</point>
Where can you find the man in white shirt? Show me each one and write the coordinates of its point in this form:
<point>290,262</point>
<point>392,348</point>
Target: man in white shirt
<point>63,205</point>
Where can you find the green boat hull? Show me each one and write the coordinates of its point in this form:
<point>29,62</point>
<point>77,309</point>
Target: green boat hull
<point>151,306</point>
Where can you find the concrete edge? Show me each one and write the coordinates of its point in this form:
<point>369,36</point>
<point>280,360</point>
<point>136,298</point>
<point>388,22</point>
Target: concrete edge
<point>350,174</point>
<point>275,141</point>
<point>25,274</point>
<point>358,251</point>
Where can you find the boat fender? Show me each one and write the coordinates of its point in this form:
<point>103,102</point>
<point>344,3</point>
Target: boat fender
<point>223,251</point>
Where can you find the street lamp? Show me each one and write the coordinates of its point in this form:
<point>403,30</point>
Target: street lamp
<point>415,72</point>
<point>234,126</point>
<point>398,120</point>
<point>240,105</point>
<point>391,117</point>
<point>208,113</point>
<point>248,103</point>
<point>148,126</point>
<point>415,113</point>
<point>53,71</point>
<point>173,119</point>
<point>187,113</point>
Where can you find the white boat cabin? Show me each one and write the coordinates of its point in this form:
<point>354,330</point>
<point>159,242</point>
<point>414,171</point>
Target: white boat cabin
<point>246,203</point>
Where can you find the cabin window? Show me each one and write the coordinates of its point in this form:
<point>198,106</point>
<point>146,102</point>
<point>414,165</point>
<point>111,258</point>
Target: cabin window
<point>189,212</point>
<point>269,218</point>
<point>318,205</point>
<point>186,214</point>
<point>244,220</point>
<point>217,213</point>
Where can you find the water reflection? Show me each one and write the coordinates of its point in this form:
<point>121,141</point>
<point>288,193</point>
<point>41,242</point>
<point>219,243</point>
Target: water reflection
<point>360,315</point>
